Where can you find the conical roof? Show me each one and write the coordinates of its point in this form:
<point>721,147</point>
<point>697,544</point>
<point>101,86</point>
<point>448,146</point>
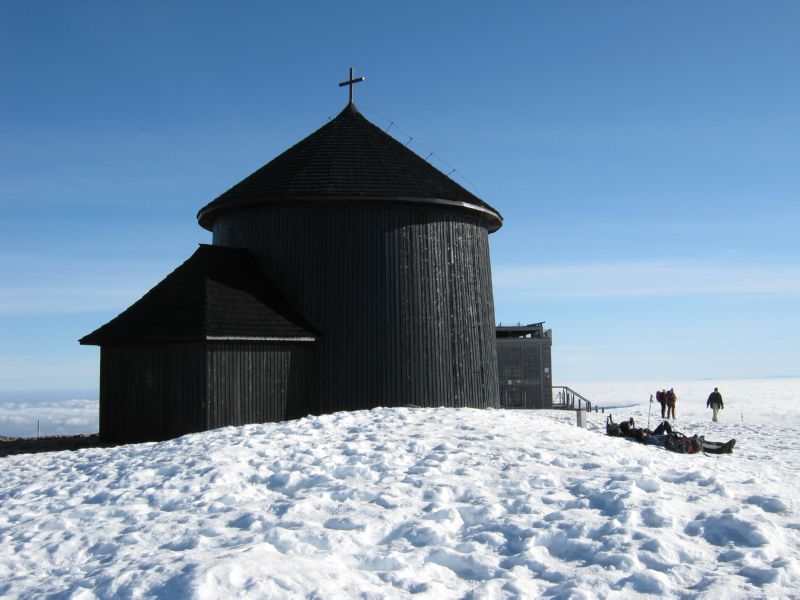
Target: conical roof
<point>219,293</point>
<point>349,159</point>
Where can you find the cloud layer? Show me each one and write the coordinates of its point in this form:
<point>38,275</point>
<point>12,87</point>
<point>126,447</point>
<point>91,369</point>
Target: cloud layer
<point>65,417</point>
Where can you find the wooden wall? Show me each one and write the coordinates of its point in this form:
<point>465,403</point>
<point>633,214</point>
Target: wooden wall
<point>401,294</point>
<point>521,371</point>
<point>257,382</point>
<point>151,392</point>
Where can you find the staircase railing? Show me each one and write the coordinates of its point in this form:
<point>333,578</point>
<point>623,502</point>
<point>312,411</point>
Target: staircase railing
<point>567,398</point>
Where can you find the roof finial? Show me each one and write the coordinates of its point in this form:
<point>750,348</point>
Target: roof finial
<point>352,81</point>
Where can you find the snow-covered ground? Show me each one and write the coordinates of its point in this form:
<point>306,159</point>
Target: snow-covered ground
<point>766,401</point>
<point>436,503</point>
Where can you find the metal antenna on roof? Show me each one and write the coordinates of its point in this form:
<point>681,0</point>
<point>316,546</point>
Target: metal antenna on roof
<point>351,82</point>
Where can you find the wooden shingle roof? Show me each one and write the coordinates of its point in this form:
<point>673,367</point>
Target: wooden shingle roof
<point>349,159</point>
<point>218,294</point>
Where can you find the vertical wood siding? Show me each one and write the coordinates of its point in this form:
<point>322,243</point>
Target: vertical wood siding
<point>401,294</point>
<point>151,391</point>
<point>256,382</point>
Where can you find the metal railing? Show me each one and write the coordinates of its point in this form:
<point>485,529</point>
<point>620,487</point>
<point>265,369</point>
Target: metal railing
<point>567,398</point>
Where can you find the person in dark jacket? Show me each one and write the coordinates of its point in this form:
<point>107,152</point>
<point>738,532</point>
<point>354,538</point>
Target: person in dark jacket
<point>661,396</point>
<point>714,402</point>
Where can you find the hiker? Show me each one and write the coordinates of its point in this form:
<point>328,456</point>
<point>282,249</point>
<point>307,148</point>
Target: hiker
<point>671,398</point>
<point>661,396</point>
<point>715,403</point>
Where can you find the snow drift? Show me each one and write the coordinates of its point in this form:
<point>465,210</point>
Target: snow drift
<point>436,503</point>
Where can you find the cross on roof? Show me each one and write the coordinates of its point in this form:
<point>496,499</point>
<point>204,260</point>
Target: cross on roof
<point>351,82</point>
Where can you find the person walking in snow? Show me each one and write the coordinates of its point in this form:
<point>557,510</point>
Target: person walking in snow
<point>714,402</point>
<point>671,398</point>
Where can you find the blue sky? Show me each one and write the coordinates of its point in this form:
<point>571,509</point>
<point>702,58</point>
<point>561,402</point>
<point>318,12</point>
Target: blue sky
<point>644,156</point>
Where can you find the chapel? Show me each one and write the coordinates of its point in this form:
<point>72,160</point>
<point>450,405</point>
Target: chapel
<point>346,273</point>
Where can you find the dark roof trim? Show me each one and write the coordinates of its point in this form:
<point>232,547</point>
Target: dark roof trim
<point>493,219</point>
<point>231,338</point>
<point>195,340</point>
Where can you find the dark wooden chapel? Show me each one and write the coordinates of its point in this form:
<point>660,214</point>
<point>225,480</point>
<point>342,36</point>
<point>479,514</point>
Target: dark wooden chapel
<point>346,273</point>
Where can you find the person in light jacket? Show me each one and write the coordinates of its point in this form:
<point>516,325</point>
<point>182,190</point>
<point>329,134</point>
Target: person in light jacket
<point>715,403</point>
<point>671,398</point>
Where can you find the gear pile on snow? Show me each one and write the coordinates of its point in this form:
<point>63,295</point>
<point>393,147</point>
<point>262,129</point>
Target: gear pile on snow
<point>666,437</point>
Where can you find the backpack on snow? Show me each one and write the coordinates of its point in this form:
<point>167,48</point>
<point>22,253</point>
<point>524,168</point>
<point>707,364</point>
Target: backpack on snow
<point>677,442</point>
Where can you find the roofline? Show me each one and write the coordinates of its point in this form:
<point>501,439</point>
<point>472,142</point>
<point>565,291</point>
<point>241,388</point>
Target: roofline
<point>236,338</point>
<point>209,338</point>
<point>208,214</point>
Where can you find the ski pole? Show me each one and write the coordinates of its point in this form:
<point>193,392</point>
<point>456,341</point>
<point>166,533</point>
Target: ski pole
<point>649,407</point>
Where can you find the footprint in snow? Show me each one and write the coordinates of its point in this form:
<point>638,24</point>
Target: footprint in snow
<point>727,529</point>
<point>465,566</point>
<point>99,498</point>
<point>648,484</point>
<point>343,524</point>
<point>382,563</point>
<point>653,518</point>
<point>181,544</point>
<point>104,549</point>
<point>168,470</point>
<point>246,522</point>
<point>767,504</point>
<point>385,501</point>
<point>760,576</point>
<point>646,582</point>
<point>730,556</point>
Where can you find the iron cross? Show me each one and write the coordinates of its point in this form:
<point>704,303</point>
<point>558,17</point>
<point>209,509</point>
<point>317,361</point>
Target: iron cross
<point>351,82</point>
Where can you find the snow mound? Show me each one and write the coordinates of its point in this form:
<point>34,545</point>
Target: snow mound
<point>387,503</point>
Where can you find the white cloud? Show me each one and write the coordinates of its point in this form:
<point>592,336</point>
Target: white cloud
<point>645,279</point>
